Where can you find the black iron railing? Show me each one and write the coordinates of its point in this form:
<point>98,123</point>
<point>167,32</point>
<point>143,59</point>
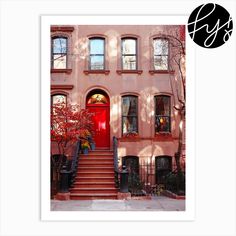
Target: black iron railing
<point>74,164</point>
<point>115,156</point>
<point>66,171</point>
<point>57,162</point>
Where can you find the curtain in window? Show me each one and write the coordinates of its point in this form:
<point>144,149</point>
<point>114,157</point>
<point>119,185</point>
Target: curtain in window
<point>162,121</point>
<point>129,114</point>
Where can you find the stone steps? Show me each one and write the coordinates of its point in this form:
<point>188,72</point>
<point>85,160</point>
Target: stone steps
<point>95,177</point>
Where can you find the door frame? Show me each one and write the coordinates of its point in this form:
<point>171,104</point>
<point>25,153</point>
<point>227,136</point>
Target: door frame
<point>162,170</point>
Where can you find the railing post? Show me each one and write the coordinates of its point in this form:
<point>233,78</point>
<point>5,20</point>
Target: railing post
<point>124,175</point>
<point>115,157</point>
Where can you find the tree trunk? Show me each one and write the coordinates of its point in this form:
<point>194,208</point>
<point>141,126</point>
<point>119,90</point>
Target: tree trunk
<point>177,158</point>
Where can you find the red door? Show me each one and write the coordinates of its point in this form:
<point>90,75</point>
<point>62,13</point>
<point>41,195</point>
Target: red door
<point>101,129</point>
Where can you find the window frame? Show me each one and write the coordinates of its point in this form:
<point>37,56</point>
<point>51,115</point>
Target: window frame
<point>166,116</point>
<point>51,108</point>
<point>156,55</point>
<point>54,37</point>
<point>136,53</point>
<point>104,54</point>
<point>122,116</point>
<point>58,94</point>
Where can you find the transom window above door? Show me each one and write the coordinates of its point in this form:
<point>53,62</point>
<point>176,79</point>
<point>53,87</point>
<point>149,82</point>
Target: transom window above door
<point>97,54</point>
<point>129,54</point>
<point>97,99</point>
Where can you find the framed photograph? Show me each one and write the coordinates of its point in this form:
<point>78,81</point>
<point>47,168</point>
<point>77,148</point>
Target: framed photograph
<point>123,149</point>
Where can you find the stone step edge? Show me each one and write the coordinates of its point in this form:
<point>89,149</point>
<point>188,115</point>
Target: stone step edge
<point>95,167</point>
<point>92,177</point>
<point>93,189</point>
<point>96,172</point>
<point>83,183</point>
<point>96,158</point>
<point>92,194</point>
<point>96,154</point>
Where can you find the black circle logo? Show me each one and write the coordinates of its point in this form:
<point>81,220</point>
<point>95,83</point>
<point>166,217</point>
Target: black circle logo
<point>210,25</point>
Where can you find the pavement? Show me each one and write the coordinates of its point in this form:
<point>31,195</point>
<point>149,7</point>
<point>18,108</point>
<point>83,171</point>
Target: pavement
<point>157,203</point>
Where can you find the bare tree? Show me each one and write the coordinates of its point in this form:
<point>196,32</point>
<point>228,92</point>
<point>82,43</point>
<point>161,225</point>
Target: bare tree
<point>176,40</point>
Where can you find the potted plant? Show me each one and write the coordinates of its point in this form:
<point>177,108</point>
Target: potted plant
<point>85,147</point>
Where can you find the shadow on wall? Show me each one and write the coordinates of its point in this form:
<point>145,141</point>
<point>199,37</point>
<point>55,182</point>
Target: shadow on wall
<point>115,112</point>
<point>147,151</point>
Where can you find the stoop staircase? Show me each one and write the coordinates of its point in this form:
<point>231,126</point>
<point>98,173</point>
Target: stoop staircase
<point>95,177</point>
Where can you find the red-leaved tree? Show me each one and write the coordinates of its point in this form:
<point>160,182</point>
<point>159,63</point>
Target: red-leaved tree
<point>69,123</point>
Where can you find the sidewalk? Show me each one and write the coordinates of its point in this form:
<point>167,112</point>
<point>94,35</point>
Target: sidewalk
<point>159,203</point>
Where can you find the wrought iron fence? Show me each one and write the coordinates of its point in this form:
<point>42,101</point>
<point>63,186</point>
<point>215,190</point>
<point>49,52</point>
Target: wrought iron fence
<point>145,179</point>
<point>147,176</point>
<point>141,176</point>
<point>175,182</point>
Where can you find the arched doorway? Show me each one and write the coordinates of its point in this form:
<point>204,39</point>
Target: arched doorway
<point>97,102</point>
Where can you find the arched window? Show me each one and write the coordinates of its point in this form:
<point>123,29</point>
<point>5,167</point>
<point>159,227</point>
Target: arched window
<point>97,98</point>
<point>59,59</point>
<point>129,114</point>
<point>160,54</point>
<point>162,114</point>
<point>97,53</point>
<point>58,98</point>
<point>129,53</point>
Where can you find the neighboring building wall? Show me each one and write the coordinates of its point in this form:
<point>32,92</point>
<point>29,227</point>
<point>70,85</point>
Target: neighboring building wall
<point>77,81</point>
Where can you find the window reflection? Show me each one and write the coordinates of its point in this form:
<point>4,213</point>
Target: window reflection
<point>97,54</point>
<point>59,53</point>
<point>161,51</point>
<point>58,98</point>
<point>129,57</point>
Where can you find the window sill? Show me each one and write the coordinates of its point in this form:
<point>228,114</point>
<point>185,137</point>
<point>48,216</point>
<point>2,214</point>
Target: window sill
<point>119,72</point>
<point>106,72</point>
<point>62,28</point>
<point>152,72</point>
<point>62,86</point>
<point>165,136</point>
<point>67,71</point>
<point>130,139</point>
